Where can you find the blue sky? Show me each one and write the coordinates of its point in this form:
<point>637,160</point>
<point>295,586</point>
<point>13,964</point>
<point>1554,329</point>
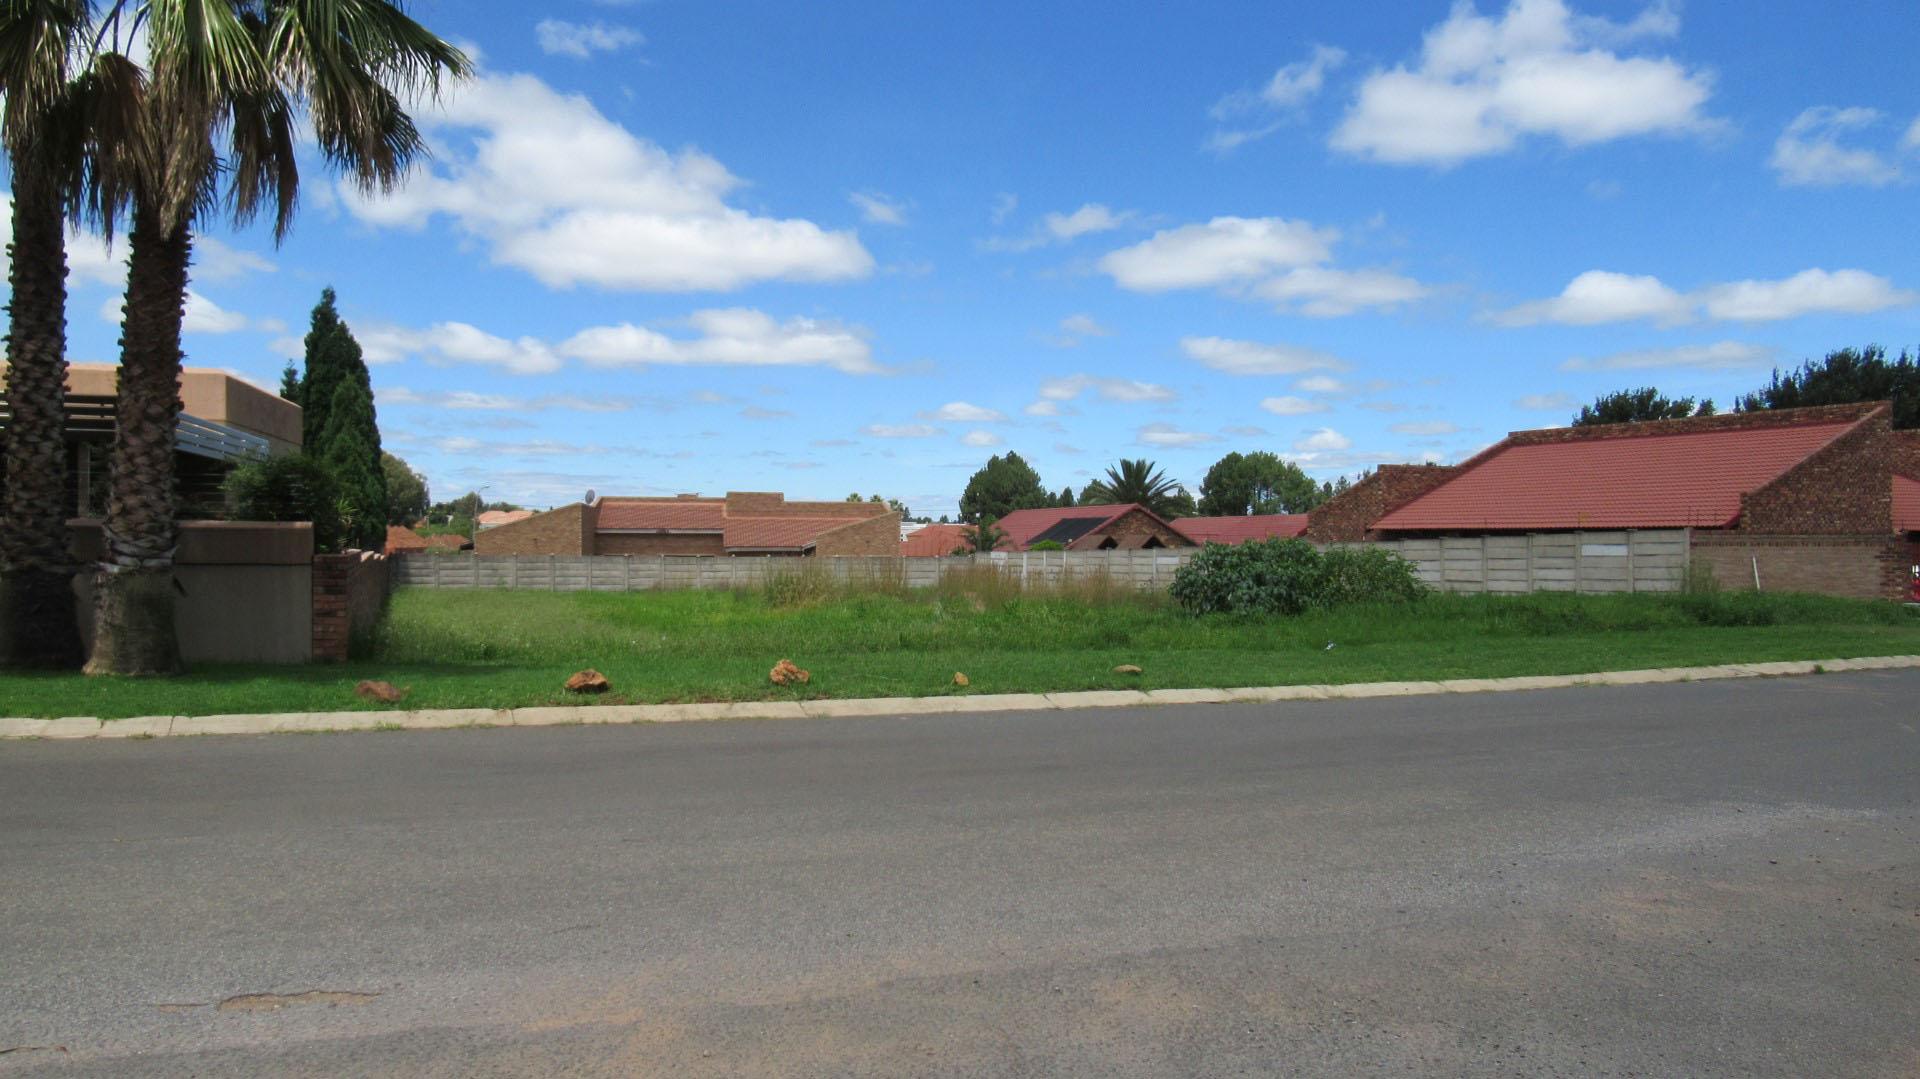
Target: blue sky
<point>676,246</point>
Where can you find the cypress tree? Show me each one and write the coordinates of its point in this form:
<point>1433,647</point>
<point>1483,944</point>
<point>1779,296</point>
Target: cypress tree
<point>352,453</point>
<point>332,355</point>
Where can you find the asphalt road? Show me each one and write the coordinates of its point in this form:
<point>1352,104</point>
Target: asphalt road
<point>1711,879</point>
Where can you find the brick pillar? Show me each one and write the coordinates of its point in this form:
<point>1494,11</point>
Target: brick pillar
<point>332,620</point>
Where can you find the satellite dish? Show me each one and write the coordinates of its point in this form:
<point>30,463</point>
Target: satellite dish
<point>589,496</point>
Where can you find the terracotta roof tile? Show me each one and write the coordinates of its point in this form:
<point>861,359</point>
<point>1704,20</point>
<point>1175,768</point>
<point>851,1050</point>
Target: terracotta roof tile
<point>1023,527</point>
<point>1630,481</point>
<point>780,533</point>
<point>933,541</point>
<point>1241,529</point>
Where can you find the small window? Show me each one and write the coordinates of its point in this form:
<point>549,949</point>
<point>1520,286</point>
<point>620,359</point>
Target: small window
<point>1108,544</point>
<point>1152,542</point>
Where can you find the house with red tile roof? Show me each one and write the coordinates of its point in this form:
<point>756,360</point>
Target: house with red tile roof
<point>741,523</point>
<point>1823,499</point>
<point>933,541</point>
<point>1127,527</point>
<point>1247,529</point>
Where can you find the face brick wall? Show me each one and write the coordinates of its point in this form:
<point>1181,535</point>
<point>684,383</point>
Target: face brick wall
<point>1345,517</point>
<point>565,531</point>
<point>1130,533</point>
<point>669,543</point>
<point>1844,489</point>
<point>1860,567</point>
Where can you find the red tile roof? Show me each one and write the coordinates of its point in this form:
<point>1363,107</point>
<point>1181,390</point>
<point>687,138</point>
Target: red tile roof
<point>1624,479</point>
<point>495,518</point>
<point>1241,529</point>
<point>1906,504</point>
<point>780,533</point>
<point>401,539</point>
<point>1023,526</point>
<point>675,515</point>
<point>933,541</point>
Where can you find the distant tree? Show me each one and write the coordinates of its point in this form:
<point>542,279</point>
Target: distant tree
<point>981,538</point>
<point>1139,482</point>
<point>1637,406</point>
<point>290,383</point>
<point>944,520</point>
<point>1065,499</point>
<point>1845,376</point>
<point>1240,485</point>
<point>406,491</point>
<point>1002,485</point>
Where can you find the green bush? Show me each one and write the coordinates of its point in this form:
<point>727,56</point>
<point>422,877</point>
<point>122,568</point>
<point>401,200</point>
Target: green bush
<point>1290,577</point>
<point>289,487</point>
<point>1047,545</point>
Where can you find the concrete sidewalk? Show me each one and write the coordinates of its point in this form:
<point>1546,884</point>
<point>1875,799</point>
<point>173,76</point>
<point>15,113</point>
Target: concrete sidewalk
<point>445,718</point>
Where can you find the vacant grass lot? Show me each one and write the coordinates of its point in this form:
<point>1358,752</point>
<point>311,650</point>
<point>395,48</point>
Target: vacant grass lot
<point>502,649</point>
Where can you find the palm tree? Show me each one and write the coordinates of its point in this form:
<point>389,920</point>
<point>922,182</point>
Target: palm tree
<point>1140,482</point>
<point>232,68</point>
<point>61,119</point>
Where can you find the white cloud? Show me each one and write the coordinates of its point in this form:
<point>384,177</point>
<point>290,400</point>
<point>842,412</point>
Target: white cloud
<point>203,316</point>
<point>1482,84</point>
<point>1603,296</point>
<point>903,430</point>
<point>1003,206</point>
<point>1320,384</point>
<point>1290,88</point>
<point>1325,293</point>
<point>216,261</point>
<point>1070,387</point>
<point>1074,328</point>
<point>1911,140</point>
<point>1853,292</point>
<point>1545,402</point>
<point>582,40</point>
<point>729,337</point>
<point>1321,441</point>
<point>1042,408</point>
<point>1090,218</point>
<point>1166,434</point>
<point>1425,428</point>
<point>878,209</point>
<point>469,401</point>
<point>1222,250</point>
<point>725,337</point>
<point>555,188</point>
<point>1291,406</point>
<point>1809,152</point>
<point>980,438</point>
<point>1256,358</point>
<point>1719,356</point>
<point>962,412</point>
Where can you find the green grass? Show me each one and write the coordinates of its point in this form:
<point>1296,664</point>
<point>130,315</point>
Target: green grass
<point>504,649</point>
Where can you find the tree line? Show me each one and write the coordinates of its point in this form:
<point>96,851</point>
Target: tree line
<point>1843,376</point>
<point>1237,485</point>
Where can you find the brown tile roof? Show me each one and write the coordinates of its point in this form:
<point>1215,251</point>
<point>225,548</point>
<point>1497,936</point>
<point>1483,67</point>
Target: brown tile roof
<point>495,518</point>
<point>933,541</point>
<point>1241,529</point>
<point>780,533</point>
<point>401,539</point>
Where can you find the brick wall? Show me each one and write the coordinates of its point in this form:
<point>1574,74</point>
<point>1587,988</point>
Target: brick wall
<point>643,543</point>
<point>1860,567</point>
<point>1906,453</point>
<point>878,535</point>
<point>773,504</point>
<point>1346,517</point>
<point>349,594</point>
<point>1846,488</point>
<point>565,531</point>
<point>1130,533</point>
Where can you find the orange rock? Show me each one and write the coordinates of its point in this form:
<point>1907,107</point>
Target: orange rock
<point>378,691</point>
<point>960,679</point>
<point>588,681</point>
<point>784,673</point>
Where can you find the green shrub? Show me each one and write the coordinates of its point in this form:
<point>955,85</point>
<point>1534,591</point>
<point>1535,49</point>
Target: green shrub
<point>289,487</point>
<point>1290,577</point>
<point>1047,545</point>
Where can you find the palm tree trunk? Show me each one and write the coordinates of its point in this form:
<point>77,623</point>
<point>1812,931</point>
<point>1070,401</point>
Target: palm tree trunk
<point>134,585</point>
<point>38,624</point>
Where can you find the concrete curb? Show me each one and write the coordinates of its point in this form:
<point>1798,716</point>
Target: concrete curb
<point>448,718</point>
